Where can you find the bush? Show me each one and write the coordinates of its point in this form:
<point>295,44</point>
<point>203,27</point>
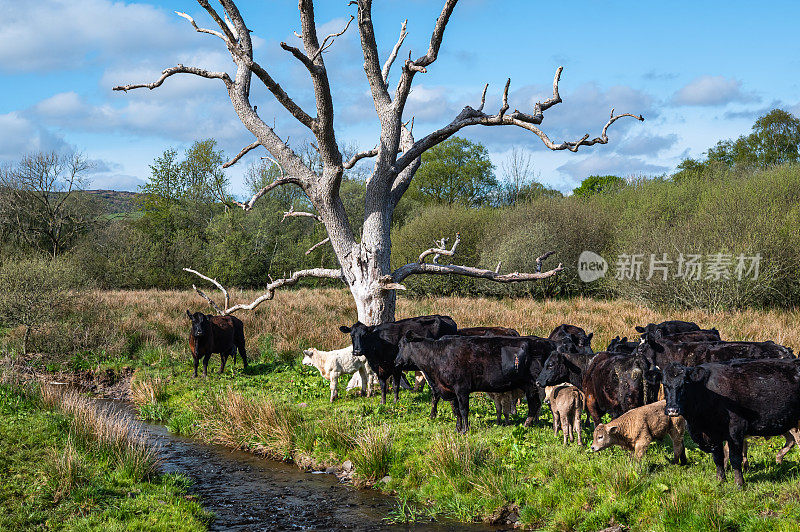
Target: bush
<point>36,291</point>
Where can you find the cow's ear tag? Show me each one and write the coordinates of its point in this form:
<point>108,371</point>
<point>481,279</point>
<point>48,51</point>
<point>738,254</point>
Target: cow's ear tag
<point>516,361</point>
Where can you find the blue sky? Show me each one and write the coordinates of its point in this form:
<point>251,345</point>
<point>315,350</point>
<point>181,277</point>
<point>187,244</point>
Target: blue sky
<point>698,72</point>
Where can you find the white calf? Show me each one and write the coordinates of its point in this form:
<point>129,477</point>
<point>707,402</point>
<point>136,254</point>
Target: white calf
<point>332,364</point>
<point>357,382</point>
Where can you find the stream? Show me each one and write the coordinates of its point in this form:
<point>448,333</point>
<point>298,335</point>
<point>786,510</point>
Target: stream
<point>247,492</point>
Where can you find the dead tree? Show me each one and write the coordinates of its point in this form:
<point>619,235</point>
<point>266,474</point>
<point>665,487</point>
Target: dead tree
<point>364,262</point>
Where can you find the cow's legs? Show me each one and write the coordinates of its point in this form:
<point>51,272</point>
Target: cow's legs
<point>678,451</point>
<point>592,408</point>
<point>206,359</point>
<point>736,451</point>
<point>534,405</point>
<point>334,379</point>
<point>196,364</point>
<point>457,413</point>
<point>463,407</point>
<point>498,408</point>
<point>224,359</point>
<point>576,426</point>
<point>383,391</point>
<point>365,387</point>
<point>242,352</point>
<point>434,403</point>
<point>718,454</point>
<point>556,422</point>
<point>398,375</point>
<point>791,441</point>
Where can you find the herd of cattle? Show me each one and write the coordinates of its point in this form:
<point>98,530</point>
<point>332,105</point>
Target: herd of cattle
<point>676,376</point>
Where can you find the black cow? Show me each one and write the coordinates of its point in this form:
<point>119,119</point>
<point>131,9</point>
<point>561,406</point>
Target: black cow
<point>564,365</point>
<point>215,334</point>
<point>703,335</point>
<point>487,331</point>
<point>573,334</point>
<point>667,327</point>
<point>661,352</point>
<point>725,402</point>
<point>378,343</point>
<point>458,365</point>
<point>621,346</point>
<point>616,383</point>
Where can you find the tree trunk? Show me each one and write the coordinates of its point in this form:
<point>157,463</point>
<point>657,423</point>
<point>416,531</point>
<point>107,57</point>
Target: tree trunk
<point>25,340</point>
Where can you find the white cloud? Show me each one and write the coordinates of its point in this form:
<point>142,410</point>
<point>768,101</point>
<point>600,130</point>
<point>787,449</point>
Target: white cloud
<point>712,91</point>
<point>64,35</point>
<point>19,135</point>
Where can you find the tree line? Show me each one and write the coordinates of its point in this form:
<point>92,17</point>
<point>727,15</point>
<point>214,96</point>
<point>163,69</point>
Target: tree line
<point>741,198</point>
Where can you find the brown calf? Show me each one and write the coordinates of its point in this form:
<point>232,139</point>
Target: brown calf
<point>636,429</point>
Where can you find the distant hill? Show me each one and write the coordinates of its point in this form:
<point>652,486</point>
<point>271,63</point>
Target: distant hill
<point>117,201</point>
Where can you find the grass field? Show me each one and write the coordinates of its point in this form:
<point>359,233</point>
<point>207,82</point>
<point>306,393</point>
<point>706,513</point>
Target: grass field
<point>281,409</point>
<point>64,467</point>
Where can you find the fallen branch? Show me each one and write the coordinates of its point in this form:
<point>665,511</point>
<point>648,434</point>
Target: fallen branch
<point>323,273</point>
<point>392,282</point>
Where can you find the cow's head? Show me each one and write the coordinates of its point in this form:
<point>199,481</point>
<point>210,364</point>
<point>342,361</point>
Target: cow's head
<point>649,349</point>
<point>308,355</point>
<point>603,437</point>
<point>579,343</point>
<point>405,347</point>
<point>677,379</point>
<point>201,325</point>
<point>361,337</point>
<point>556,367</point>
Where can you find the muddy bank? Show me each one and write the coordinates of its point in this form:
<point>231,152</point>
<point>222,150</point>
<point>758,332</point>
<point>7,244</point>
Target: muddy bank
<point>246,492</point>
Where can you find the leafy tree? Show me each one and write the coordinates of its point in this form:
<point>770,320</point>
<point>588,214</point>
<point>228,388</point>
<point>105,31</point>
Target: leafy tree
<point>595,184</point>
<point>775,139</point>
<point>178,202</point>
<point>778,134</point>
<point>455,172</point>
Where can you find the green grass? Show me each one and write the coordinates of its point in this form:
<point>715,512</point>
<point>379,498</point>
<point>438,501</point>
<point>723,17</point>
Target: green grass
<point>436,473</point>
<point>54,478</point>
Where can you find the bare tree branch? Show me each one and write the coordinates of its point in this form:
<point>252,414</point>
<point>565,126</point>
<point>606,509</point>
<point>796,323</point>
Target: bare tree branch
<point>231,38</point>
<point>291,213</point>
<point>470,117</point>
<point>269,293</point>
<point>440,250</point>
<point>179,69</point>
<point>391,282</point>
<point>215,283</point>
<point>393,55</point>
<point>247,149</point>
<point>326,44</point>
<point>419,65</point>
<point>210,301</point>
<point>283,180</point>
<point>358,156</point>
<point>318,244</point>
<point>202,30</point>
<point>303,58</point>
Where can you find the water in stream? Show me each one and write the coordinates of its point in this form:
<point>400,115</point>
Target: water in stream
<point>246,492</point>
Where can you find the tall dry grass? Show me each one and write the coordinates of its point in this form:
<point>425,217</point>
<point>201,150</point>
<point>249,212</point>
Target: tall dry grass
<point>257,424</point>
<point>303,317</point>
<point>112,431</point>
<point>147,390</point>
